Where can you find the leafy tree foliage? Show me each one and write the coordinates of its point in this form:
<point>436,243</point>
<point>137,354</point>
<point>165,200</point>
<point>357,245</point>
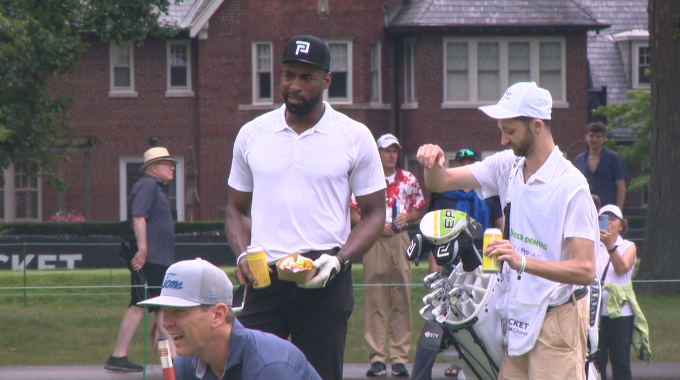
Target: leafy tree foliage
<point>633,114</point>
<point>41,39</point>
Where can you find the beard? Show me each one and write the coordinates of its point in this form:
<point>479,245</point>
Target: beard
<point>304,108</point>
<point>526,145</point>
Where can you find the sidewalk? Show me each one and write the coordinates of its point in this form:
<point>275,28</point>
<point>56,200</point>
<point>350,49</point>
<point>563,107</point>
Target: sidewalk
<point>641,371</point>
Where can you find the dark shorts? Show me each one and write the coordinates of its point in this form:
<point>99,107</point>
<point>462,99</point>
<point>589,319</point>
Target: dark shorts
<point>154,275</point>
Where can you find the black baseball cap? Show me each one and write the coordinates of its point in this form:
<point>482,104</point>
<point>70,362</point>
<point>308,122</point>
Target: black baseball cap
<point>466,153</point>
<point>308,49</point>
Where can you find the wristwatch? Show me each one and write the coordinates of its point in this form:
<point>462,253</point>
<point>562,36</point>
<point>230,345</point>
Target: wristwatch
<point>613,249</point>
<point>345,262</point>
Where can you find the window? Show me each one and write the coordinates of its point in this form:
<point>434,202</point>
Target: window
<point>340,90</point>
<point>641,64</point>
<point>179,68</point>
<point>478,70</point>
<point>410,72</point>
<point>20,196</point>
<point>122,69</point>
<point>129,175</point>
<point>262,73</point>
<point>376,96</point>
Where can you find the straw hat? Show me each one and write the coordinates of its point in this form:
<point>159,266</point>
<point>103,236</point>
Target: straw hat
<point>154,155</point>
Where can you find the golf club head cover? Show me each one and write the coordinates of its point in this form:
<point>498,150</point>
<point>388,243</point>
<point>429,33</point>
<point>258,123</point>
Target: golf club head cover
<point>418,248</point>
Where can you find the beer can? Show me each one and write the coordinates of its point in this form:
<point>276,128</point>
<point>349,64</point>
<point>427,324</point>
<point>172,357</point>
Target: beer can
<point>257,262</point>
<point>490,264</point>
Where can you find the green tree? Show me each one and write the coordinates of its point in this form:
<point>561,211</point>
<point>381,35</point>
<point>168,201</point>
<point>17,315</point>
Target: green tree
<point>634,114</point>
<point>42,39</point>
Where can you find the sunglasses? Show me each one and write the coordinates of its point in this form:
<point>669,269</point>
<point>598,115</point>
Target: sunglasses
<point>466,153</point>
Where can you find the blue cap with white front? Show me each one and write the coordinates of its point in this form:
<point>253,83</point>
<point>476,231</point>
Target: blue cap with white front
<point>192,283</point>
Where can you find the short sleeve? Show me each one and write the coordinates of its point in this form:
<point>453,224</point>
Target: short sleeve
<point>367,174</point>
<point>144,198</point>
<point>581,217</point>
<point>240,176</point>
<point>619,169</point>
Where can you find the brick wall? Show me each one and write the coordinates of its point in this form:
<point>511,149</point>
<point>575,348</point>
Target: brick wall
<point>222,77</point>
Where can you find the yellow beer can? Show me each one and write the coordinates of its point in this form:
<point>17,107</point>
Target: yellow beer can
<point>490,264</point>
<point>257,262</point>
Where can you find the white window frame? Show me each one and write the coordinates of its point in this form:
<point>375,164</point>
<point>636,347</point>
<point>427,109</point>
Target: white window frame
<point>256,72</point>
<point>348,99</point>
<point>122,180</point>
<point>9,199</point>
<point>121,92</point>
<point>534,52</point>
<point>410,100</point>
<point>635,52</point>
<point>178,91</point>
<point>378,59</point>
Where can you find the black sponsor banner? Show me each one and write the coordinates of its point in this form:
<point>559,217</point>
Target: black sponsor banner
<point>45,254</point>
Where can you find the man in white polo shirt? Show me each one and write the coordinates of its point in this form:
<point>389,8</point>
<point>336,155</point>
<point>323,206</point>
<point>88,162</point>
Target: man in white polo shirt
<point>552,228</point>
<point>292,176</point>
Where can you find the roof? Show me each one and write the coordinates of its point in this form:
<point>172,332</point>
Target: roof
<point>628,19</point>
<point>191,14</point>
<point>497,13</point>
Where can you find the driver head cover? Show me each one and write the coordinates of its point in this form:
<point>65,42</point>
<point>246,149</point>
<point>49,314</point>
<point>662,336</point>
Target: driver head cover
<point>442,226</point>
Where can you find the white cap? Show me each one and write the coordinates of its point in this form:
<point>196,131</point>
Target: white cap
<point>521,99</point>
<point>615,210</point>
<point>193,283</point>
<point>386,140</point>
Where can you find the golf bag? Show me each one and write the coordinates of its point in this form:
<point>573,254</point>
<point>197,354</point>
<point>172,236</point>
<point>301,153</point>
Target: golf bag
<point>462,299</point>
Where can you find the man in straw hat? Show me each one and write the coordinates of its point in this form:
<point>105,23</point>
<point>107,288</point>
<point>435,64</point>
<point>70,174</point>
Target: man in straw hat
<point>211,343</point>
<point>154,232</point>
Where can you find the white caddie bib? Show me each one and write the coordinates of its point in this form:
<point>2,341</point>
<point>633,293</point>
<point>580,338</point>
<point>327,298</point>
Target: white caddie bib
<point>537,216</point>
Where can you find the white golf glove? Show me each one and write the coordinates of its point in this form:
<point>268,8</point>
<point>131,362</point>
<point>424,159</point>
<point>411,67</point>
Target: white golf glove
<point>328,267</point>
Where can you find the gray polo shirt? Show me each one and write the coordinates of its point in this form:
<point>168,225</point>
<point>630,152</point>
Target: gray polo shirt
<point>148,200</point>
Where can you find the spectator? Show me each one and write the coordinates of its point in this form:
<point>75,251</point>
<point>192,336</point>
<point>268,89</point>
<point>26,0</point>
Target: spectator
<point>386,265</point>
<point>604,169</point>
<point>615,264</point>
<point>211,343</point>
<point>292,176</point>
<point>552,235</point>
<point>488,212</point>
<point>154,232</point>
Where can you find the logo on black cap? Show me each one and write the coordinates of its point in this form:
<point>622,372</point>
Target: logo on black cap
<point>302,47</point>
<point>308,49</point>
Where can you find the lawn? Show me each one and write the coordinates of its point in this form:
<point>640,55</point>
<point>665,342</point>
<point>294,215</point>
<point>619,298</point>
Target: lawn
<point>77,322</point>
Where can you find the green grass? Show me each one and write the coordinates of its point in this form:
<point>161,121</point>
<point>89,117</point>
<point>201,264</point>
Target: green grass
<point>80,325</point>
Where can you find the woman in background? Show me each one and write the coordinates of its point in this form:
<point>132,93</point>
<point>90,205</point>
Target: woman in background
<point>615,262</point>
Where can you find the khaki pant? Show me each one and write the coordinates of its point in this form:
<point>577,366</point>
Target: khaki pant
<point>559,352</point>
<point>386,264</point>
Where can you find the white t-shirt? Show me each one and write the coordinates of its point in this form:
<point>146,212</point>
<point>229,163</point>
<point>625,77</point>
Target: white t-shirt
<point>302,184</point>
<point>601,260</point>
<point>551,206</point>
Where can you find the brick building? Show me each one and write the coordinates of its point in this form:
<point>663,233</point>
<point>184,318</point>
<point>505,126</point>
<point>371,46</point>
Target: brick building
<point>416,68</point>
